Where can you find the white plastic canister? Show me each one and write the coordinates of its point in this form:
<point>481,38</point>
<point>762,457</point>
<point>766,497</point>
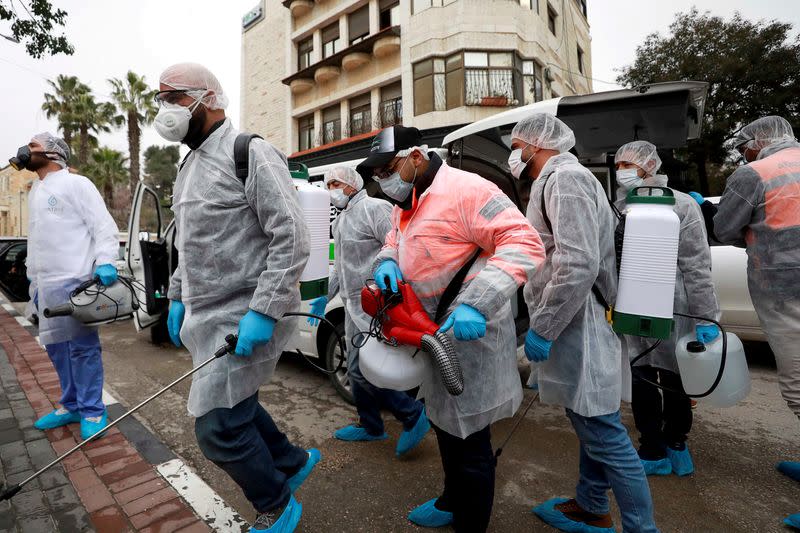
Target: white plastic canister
<point>699,366</point>
<point>393,367</point>
<point>646,288</point>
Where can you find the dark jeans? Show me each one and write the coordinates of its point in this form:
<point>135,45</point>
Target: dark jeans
<point>370,399</point>
<point>663,418</point>
<point>469,471</point>
<point>246,444</point>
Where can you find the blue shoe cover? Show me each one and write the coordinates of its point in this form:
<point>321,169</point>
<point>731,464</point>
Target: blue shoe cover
<point>550,515</point>
<point>357,433</point>
<point>789,468</point>
<point>661,467</point>
<point>793,521</point>
<point>409,439</point>
<point>89,428</point>
<point>681,461</point>
<point>54,420</point>
<point>427,515</point>
<point>314,456</point>
<point>288,520</point>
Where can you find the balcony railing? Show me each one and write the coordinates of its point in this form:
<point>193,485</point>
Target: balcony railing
<point>490,87</point>
<point>390,113</point>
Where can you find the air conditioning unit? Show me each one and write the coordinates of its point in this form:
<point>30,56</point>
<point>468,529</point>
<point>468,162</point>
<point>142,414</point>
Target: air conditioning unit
<point>548,75</point>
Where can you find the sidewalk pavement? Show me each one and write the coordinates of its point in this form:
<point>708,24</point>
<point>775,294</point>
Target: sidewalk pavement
<point>107,486</point>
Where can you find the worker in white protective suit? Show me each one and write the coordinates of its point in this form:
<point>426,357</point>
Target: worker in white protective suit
<point>242,245</point>
<point>71,239</point>
<point>444,218</point>
<point>569,333</point>
<point>359,232</point>
<point>760,211</point>
<point>664,423</point>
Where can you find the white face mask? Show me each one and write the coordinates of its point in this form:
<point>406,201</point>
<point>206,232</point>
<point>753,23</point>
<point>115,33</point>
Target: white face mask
<point>172,120</point>
<point>395,187</point>
<point>338,198</point>
<point>628,179</point>
<point>516,164</point>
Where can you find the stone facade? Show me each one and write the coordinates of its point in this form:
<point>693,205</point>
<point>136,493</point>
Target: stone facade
<point>14,188</point>
<point>302,103</point>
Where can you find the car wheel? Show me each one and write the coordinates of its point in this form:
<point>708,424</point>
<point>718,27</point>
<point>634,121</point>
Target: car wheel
<point>333,355</point>
<point>159,334</point>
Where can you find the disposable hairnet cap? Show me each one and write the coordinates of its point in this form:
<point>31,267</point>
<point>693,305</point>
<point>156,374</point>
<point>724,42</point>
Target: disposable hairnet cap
<point>643,154</point>
<point>544,130</point>
<point>193,76</point>
<point>764,132</point>
<point>346,175</point>
<point>51,143</point>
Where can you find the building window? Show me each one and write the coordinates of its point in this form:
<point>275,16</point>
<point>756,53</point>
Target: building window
<point>489,78</point>
<point>580,60</point>
<point>390,13</point>
<point>330,40</point>
<point>360,115</point>
<point>305,126</point>
<point>391,107</point>
<point>551,19</point>
<point>304,50</point>
<point>430,86</point>
<point>331,124</point>
<point>358,21</point>
<point>532,82</point>
<point>420,5</point>
<point>582,4</point>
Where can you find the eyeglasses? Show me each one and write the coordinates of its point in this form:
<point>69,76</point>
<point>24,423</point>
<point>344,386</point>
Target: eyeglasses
<point>171,96</point>
<point>384,173</point>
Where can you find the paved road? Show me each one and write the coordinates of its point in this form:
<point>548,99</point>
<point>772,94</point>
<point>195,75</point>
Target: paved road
<point>363,487</point>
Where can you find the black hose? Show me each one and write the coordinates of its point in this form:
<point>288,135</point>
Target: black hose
<point>333,332</point>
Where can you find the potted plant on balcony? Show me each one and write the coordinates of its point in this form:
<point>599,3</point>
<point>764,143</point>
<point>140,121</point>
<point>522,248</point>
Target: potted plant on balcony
<point>496,100</point>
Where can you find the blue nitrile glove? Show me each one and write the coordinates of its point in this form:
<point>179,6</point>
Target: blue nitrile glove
<point>317,308</point>
<point>697,197</point>
<point>537,348</point>
<point>707,333</point>
<point>254,329</point>
<point>175,321</point>
<point>107,274</point>
<point>467,322</point>
<point>388,269</point>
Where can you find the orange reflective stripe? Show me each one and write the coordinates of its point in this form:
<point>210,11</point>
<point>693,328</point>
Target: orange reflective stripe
<point>780,164</point>
<point>782,206</point>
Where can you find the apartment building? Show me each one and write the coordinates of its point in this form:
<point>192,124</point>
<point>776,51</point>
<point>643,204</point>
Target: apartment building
<point>320,77</point>
<point>14,188</point>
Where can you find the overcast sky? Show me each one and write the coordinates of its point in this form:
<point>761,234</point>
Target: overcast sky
<point>112,37</point>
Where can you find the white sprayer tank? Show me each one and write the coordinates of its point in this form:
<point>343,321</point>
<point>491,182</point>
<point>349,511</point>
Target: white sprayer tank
<point>315,203</point>
<point>646,288</point>
<point>699,365</point>
<point>398,368</point>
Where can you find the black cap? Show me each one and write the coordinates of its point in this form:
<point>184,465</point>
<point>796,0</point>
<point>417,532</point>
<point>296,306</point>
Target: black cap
<point>385,146</point>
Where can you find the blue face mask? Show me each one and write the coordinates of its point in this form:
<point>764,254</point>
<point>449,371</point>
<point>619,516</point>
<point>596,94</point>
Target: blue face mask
<point>395,187</point>
<point>628,179</point>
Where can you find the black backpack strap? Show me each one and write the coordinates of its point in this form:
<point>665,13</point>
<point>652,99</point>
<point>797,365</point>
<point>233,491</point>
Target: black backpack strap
<point>183,161</point>
<point>454,286</point>
<point>241,154</point>
<point>595,289</point>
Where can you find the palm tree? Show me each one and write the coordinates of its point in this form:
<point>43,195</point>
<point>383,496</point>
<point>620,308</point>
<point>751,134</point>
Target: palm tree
<point>61,104</point>
<point>134,100</point>
<point>106,169</point>
<point>91,117</point>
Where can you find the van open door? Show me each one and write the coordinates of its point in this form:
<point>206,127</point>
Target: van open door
<point>147,257</point>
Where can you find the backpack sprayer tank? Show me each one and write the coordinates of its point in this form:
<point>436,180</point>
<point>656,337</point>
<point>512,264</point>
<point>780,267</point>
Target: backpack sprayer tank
<point>316,205</point>
<point>646,288</point>
<point>93,304</point>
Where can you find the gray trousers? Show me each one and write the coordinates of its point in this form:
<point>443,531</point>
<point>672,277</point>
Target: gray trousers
<point>780,320</point>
